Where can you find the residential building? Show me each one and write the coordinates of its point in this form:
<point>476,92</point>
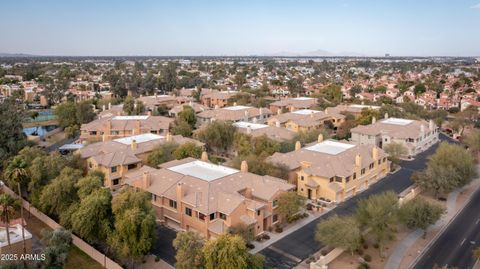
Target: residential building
<point>273,132</point>
<point>179,108</point>
<point>234,113</point>
<point>415,135</point>
<point>108,128</point>
<point>333,170</point>
<point>119,156</point>
<point>292,104</point>
<point>354,109</point>
<point>197,195</point>
<point>216,99</point>
<point>306,120</point>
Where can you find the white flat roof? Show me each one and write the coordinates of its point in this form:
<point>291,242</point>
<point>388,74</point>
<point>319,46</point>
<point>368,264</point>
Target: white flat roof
<point>302,98</point>
<point>253,126</point>
<point>130,118</point>
<point>330,147</point>
<point>305,111</point>
<point>203,170</point>
<point>365,106</point>
<point>138,138</point>
<point>397,121</point>
<point>236,107</point>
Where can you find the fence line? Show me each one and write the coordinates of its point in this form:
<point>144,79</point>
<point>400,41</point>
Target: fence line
<point>101,258</point>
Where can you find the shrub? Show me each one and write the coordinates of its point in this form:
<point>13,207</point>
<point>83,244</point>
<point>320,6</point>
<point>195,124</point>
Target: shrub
<point>365,246</point>
<point>367,258</point>
<point>266,236</point>
<point>305,215</point>
<point>324,252</point>
<point>309,207</point>
<point>157,259</point>
<point>360,251</point>
<point>376,245</point>
<point>250,246</point>
<point>258,238</point>
<point>278,229</point>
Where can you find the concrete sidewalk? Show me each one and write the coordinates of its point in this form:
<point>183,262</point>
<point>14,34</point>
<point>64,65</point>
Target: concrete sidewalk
<point>403,246</point>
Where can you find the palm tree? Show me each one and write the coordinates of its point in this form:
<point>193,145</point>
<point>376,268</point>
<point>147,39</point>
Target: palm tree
<point>8,205</point>
<point>16,172</point>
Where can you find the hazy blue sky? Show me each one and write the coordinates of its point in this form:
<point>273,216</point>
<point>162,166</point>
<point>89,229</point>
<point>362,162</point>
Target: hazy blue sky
<point>240,27</point>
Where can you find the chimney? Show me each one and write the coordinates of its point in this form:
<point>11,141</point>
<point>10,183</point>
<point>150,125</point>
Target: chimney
<point>216,106</point>
<point>139,131</point>
<point>298,146</point>
<point>204,156</point>
<point>326,110</point>
<point>386,115</point>
<point>234,103</point>
<point>358,161</point>
<point>375,153</point>
<point>244,167</point>
<point>104,137</point>
<point>279,111</point>
<point>431,125</point>
<point>190,103</point>
<point>260,110</point>
<point>104,108</point>
<point>109,105</point>
<point>249,129</point>
<point>422,129</point>
<point>149,113</point>
<point>169,137</point>
<point>179,191</point>
<point>248,193</point>
<point>277,124</point>
<point>374,120</point>
<point>320,138</point>
<point>134,144</point>
<point>146,180</point>
<point>254,120</point>
<point>246,115</point>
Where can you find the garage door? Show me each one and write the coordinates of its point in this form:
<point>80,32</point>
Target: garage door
<point>172,223</point>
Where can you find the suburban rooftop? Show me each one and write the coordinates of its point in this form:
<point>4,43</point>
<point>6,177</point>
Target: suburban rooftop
<point>138,138</point>
<point>330,147</point>
<point>203,170</point>
<point>253,126</point>
<point>130,118</point>
<point>397,121</point>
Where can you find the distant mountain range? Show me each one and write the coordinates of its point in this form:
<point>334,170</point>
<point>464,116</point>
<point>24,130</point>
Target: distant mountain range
<point>15,55</point>
<point>315,53</point>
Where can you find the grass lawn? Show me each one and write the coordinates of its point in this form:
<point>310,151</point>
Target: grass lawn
<point>77,259</point>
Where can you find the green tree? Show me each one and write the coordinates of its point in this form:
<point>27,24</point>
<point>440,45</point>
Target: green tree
<point>66,114</point>
<point>16,172</point>
<point>12,138</point>
<point>226,252</point>
<point>418,213</point>
<point>256,261</point>
<point>134,224</point>
<point>57,245</point>
<point>218,135</point>
<point>60,193</point>
<point>91,220</point>
<point>450,167</point>
<point>242,230</point>
<point>189,149</point>
<point>377,214</point>
<point>188,246</point>
<point>188,115</point>
<point>182,128</point>
<point>340,232</point>
<point>129,105</point>
<point>84,112</point>
<point>162,153</point>
<point>290,203</point>
<point>395,151</point>
<point>8,206</point>
<point>90,183</point>
<point>367,115</point>
<point>472,140</point>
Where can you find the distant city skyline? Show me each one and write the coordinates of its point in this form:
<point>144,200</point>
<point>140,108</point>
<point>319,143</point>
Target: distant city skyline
<point>238,28</point>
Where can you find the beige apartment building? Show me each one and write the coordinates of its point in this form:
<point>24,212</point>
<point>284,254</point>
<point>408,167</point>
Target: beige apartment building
<point>257,129</point>
<point>108,128</point>
<point>234,114</point>
<point>354,109</point>
<point>216,99</point>
<point>197,195</point>
<point>415,135</point>
<point>333,170</point>
<point>117,157</point>
<point>306,120</point>
<point>292,104</point>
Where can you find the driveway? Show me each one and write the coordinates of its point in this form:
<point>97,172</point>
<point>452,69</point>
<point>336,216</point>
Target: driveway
<point>163,247</point>
<point>301,243</point>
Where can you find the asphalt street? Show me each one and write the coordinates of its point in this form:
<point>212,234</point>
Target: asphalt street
<point>455,245</point>
<point>301,243</point>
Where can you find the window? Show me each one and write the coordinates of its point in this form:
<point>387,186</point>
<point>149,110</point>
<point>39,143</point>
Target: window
<point>132,166</point>
<point>114,133</point>
<point>188,211</point>
<point>172,203</point>
<point>223,216</point>
<point>153,131</point>
<point>347,179</point>
<point>201,216</point>
<point>331,179</point>
<point>379,162</point>
<point>154,197</point>
<point>113,169</point>
<point>371,165</point>
<point>275,203</point>
<point>301,178</point>
<point>354,175</point>
<point>258,212</point>
<point>115,182</point>
<point>384,159</point>
<point>363,171</point>
<point>93,133</point>
<point>212,216</point>
<point>90,165</point>
<point>274,218</point>
<point>338,179</point>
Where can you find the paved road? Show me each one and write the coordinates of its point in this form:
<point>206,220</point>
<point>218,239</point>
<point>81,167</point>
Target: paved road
<point>454,247</point>
<point>301,243</point>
